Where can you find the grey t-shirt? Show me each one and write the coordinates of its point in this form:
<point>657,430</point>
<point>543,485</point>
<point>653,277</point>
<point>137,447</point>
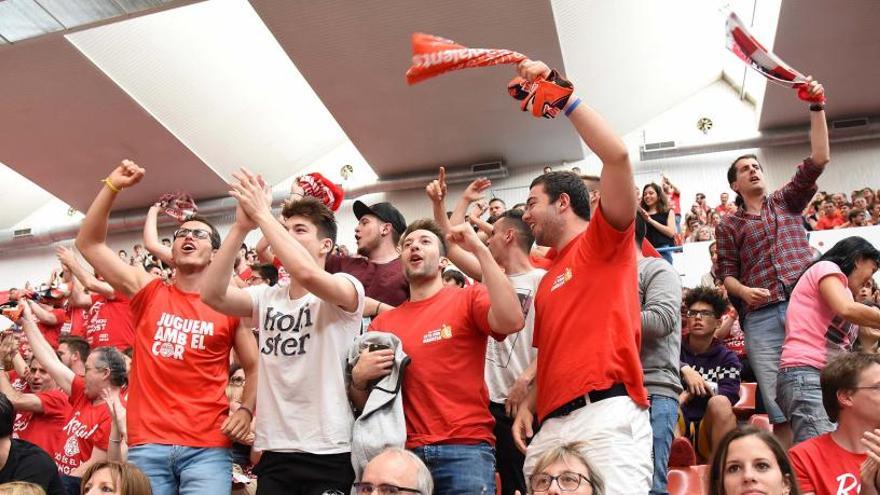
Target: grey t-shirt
<point>506,360</point>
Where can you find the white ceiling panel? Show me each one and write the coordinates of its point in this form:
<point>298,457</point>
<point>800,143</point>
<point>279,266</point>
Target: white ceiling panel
<point>216,78</point>
<point>633,59</point>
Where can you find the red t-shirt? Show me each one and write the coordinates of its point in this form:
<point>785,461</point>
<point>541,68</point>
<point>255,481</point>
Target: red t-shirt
<point>78,317</point>
<point>87,427</point>
<point>675,201</point>
<point>830,221</point>
<point>180,369</point>
<point>109,322</point>
<point>53,332</point>
<point>44,429</point>
<point>587,318</point>
<point>825,468</point>
<point>445,399</point>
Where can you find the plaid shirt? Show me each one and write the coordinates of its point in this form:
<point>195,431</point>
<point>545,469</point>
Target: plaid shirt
<point>769,251</point>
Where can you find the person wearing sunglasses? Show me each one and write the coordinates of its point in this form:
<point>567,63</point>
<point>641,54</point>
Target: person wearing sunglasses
<point>182,347</point>
<point>566,469</point>
<point>840,461</point>
<point>395,471</point>
<point>709,373</point>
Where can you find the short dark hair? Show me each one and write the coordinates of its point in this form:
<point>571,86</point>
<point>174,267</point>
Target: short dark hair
<point>524,236</point>
<point>111,358</point>
<point>493,200</point>
<point>314,211</point>
<point>149,267</point>
<point>557,183</point>
<point>215,235</point>
<point>708,295</point>
<point>267,271</point>
<point>842,373</point>
<point>77,345</point>
<point>856,212</point>
<point>719,459</point>
<point>731,174</point>
<point>430,226</point>
<point>455,275</point>
<point>7,416</point>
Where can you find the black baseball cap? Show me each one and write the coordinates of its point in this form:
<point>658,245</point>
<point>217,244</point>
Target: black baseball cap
<point>383,211</point>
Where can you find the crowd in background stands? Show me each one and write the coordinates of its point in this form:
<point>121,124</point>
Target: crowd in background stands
<point>548,343</point>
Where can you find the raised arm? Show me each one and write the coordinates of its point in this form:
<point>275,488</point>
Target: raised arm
<point>216,291</point>
<point>88,281</point>
<point>617,186</point>
<point>505,311</point>
<point>820,150</point>
<point>151,237</point>
<point>251,194</point>
<point>462,259</point>
<point>42,314</point>
<point>92,238</point>
<point>44,353</point>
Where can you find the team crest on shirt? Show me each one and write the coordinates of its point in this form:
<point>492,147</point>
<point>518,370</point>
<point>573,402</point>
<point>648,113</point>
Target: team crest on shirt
<point>442,333</point>
<point>561,279</point>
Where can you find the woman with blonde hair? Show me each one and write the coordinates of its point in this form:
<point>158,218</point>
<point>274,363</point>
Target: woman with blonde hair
<point>566,469</point>
<point>118,478</point>
<point>21,488</point>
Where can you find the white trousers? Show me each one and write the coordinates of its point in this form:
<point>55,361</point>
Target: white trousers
<point>618,442</point>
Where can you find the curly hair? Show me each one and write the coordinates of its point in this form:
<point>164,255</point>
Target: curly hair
<point>708,295</point>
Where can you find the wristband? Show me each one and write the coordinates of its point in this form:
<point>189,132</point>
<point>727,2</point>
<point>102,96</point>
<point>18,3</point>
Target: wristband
<point>116,440</point>
<point>817,107</point>
<point>572,107</point>
<point>109,184</point>
<point>246,408</point>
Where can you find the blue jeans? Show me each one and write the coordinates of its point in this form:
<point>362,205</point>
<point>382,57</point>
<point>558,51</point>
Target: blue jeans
<point>664,417</point>
<point>764,330</point>
<point>800,396</point>
<point>174,469</point>
<point>458,469</point>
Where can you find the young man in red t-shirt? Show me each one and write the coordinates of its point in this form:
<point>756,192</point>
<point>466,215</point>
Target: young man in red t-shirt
<point>587,313</point>
<point>108,321</point>
<point>43,411</point>
<point>834,463</point>
<point>85,435</point>
<point>444,330</point>
<point>179,428</point>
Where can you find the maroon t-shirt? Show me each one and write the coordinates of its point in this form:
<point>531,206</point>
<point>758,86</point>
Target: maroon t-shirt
<point>383,282</point>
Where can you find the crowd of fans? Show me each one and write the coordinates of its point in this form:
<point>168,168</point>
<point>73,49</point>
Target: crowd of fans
<point>549,344</point>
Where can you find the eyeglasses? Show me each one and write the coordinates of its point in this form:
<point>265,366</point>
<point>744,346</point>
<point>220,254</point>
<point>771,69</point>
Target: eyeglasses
<point>875,388</point>
<point>236,380</point>
<point>196,233</point>
<point>701,314</point>
<point>363,488</point>
<point>567,481</point>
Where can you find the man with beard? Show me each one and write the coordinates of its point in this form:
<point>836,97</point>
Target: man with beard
<point>182,351</point>
<point>587,313</point>
<point>444,331</point>
<point>378,266</point>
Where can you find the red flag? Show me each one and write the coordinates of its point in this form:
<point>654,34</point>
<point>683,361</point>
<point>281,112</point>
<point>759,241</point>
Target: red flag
<point>178,206</point>
<point>433,56</point>
<point>749,50</point>
<point>322,188</point>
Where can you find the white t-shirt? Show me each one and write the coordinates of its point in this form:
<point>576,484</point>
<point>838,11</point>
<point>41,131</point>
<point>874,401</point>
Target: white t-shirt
<point>506,360</point>
<point>302,405</point>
